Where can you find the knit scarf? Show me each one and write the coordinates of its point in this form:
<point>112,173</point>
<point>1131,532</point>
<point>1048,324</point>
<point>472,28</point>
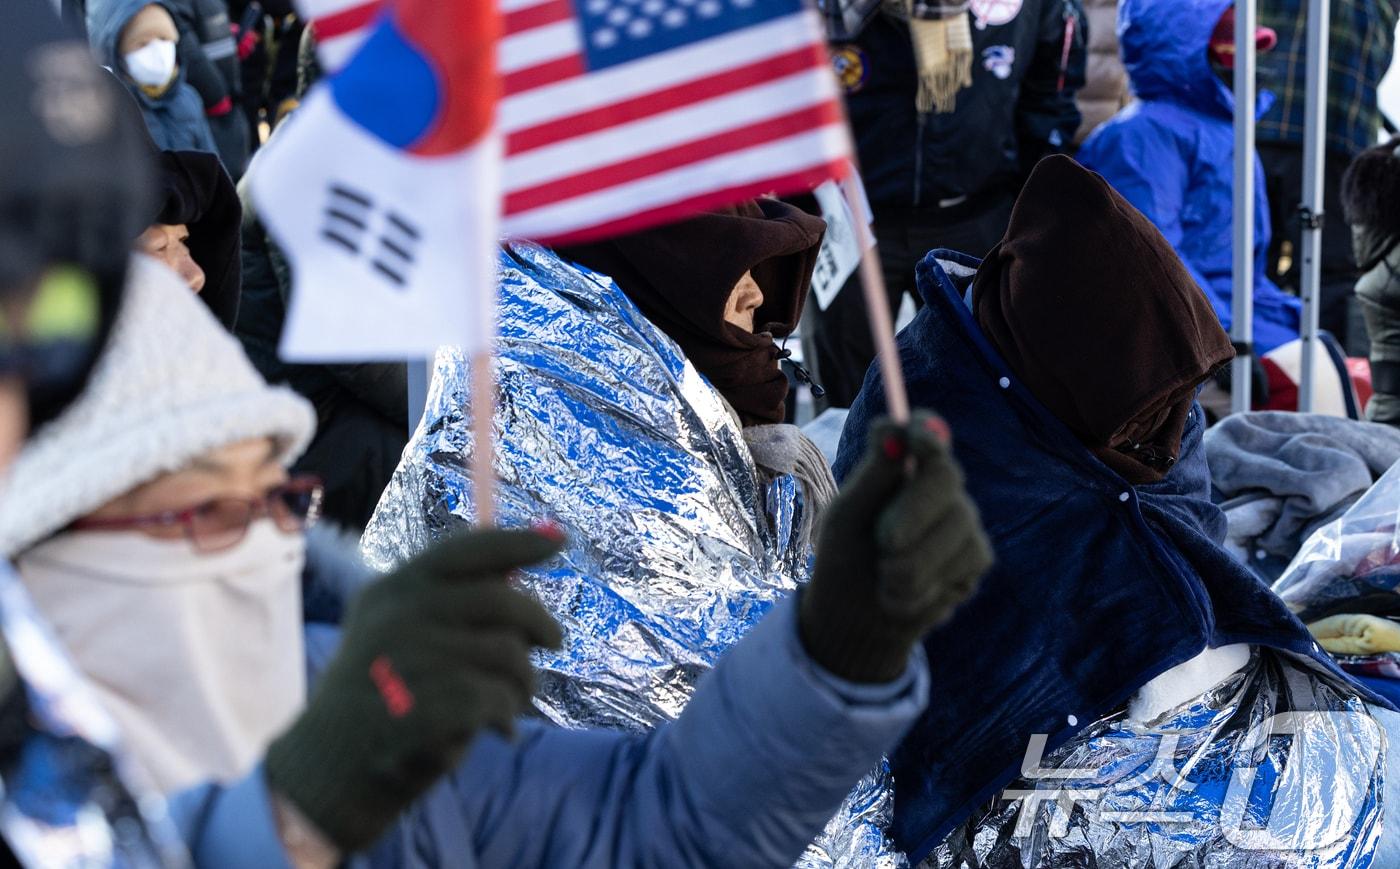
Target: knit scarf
<point>942,38</point>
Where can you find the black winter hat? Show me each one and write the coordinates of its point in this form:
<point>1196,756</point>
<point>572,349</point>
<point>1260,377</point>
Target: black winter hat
<point>75,179</point>
<point>1371,189</point>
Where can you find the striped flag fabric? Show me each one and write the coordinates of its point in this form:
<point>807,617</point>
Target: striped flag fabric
<point>621,114</point>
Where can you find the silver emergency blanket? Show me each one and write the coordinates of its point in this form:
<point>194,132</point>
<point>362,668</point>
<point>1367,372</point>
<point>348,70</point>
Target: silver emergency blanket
<point>69,796</point>
<point>1278,766</point>
<point>677,544</point>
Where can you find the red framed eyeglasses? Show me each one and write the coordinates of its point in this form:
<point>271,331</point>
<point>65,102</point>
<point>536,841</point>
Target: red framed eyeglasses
<point>222,523</point>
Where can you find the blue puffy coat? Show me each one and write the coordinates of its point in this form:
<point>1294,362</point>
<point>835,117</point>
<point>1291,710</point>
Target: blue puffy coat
<point>1171,154</point>
<point>749,773</point>
<point>176,118</point>
<point>1099,586</point>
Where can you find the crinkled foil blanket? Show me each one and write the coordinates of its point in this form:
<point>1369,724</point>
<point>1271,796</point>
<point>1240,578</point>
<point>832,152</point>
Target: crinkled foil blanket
<point>676,549</point>
<point>1203,787</point>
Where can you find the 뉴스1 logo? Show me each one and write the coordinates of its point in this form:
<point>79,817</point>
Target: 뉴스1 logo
<point>849,64</point>
<point>1318,783</point>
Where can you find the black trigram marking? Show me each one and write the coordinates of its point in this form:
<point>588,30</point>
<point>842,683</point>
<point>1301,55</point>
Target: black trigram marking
<point>348,217</point>
<point>396,248</point>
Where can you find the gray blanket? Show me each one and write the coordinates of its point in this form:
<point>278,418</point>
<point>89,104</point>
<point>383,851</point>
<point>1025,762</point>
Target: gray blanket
<point>1279,476</point>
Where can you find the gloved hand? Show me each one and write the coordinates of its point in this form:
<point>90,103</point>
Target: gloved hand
<point>431,654</point>
<point>899,550</point>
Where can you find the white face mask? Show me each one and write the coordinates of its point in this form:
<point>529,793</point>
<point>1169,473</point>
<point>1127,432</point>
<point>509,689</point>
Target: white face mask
<point>199,657</point>
<point>153,64</point>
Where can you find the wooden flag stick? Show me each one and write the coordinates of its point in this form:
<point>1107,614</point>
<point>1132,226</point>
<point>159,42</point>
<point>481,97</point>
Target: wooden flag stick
<point>877,309</point>
<point>483,464</point>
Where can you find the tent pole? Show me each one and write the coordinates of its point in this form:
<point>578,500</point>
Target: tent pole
<point>1242,307</point>
<point>1311,208</point>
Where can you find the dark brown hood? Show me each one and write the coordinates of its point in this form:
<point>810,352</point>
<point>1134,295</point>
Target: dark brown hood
<point>1094,312</point>
<point>681,276</point>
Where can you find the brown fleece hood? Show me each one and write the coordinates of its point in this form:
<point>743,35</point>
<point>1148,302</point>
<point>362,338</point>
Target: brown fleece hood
<point>1094,312</point>
<point>681,276</point>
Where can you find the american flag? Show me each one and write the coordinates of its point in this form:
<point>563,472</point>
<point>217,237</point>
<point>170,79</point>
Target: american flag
<point>621,114</point>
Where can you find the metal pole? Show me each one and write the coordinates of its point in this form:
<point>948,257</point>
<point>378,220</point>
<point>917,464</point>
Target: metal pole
<point>1242,309</point>
<point>1311,209</point>
<point>420,374</point>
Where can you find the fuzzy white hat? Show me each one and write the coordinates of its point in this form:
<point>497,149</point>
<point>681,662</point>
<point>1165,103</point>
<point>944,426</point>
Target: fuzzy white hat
<point>171,385</point>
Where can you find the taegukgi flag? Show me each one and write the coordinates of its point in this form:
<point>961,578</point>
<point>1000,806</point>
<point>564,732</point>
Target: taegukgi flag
<point>384,190</point>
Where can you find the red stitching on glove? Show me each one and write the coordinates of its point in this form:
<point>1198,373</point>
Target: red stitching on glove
<point>397,698</point>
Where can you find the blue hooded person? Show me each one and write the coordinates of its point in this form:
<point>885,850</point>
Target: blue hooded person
<point>137,39</point>
<point>1067,365</point>
<point>1171,153</point>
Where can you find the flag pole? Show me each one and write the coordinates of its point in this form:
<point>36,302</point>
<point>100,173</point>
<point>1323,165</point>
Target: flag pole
<point>483,464</point>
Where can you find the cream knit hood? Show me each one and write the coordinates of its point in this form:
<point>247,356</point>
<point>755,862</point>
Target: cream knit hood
<point>171,385</point>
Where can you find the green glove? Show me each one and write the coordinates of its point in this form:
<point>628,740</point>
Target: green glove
<point>431,654</point>
<point>900,548</point>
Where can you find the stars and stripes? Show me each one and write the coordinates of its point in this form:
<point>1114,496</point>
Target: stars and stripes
<point>619,114</point>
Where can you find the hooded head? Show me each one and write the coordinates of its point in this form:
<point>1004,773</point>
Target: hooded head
<point>136,39</point>
<point>72,193</point>
<point>194,222</point>
<point>1166,48</point>
<point>196,198</point>
<point>1092,309</point>
<point>682,276</point>
<point>170,386</point>
<point>155,529</point>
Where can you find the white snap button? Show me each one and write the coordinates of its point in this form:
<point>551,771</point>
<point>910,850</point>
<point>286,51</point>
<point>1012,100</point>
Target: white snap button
<point>1124,497</point>
<point>1005,382</point>
<point>1073,722</point>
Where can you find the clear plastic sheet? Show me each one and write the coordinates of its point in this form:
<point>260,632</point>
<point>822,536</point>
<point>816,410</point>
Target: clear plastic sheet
<point>1278,766</point>
<point>67,798</point>
<point>1355,555</point>
<point>677,546</point>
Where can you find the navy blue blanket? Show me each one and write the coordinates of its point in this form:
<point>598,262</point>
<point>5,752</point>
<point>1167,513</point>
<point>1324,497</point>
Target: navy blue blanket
<point>1099,585</point>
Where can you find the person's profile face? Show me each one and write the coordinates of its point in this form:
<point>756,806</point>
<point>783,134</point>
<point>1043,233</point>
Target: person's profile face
<point>745,299</point>
<point>169,243</point>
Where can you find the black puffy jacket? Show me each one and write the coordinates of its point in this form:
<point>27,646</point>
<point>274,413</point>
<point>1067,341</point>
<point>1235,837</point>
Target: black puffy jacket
<point>1019,108</point>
